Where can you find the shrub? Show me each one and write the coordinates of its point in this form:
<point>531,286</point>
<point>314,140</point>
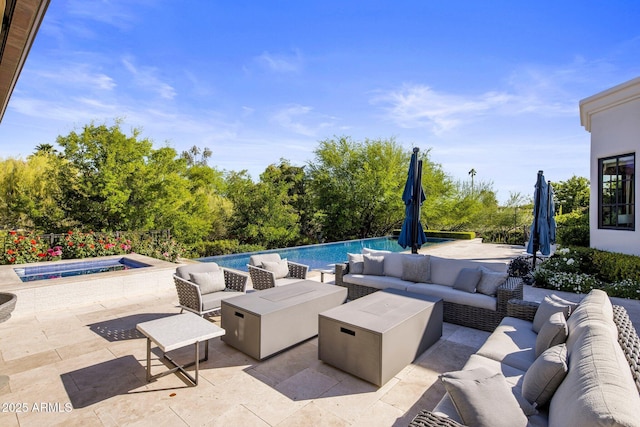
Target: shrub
<point>573,229</point>
<point>579,269</point>
<point>24,247</point>
<point>224,247</point>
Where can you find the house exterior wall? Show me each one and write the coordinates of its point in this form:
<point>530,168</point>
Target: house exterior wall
<point>613,118</point>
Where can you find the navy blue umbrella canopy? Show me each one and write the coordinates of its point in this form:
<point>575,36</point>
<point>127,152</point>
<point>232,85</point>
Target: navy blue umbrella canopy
<point>543,228</point>
<point>413,196</point>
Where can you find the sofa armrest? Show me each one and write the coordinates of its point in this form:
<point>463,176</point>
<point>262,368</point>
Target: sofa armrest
<point>235,281</point>
<point>261,278</point>
<point>525,310</point>
<point>512,288</point>
<point>299,271</point>
<point>342,268</point>
<point>429,419</point>
<point>189,296</point>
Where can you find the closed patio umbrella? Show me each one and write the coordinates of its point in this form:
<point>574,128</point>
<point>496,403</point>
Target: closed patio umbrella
<point>543,228</point>
<point>413,196</point>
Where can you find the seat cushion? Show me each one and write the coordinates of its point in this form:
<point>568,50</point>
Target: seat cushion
<point>511,343</point>
<point>210,281</point>
<point>212,301</point>
<point>456,296</point>
<point>378,282</point>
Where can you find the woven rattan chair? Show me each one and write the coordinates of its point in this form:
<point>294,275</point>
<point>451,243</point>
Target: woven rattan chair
<point>192,299</point>
<point>262,278</point>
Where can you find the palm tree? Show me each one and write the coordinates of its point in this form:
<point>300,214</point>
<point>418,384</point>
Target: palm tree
<point>472,172</point>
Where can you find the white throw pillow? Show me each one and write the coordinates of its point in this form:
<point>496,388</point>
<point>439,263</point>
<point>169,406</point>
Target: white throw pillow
<point>280,268</point>
<point>210,281</point>
<point>356,263</point>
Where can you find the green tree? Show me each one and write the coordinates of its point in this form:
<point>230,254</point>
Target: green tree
<point>357,187</point>
<point>572,194</point>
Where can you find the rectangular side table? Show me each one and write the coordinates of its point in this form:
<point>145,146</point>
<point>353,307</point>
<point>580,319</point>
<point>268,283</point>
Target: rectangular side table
<point>376,336</point>
<point>263,323</point>
<point>173,332</point>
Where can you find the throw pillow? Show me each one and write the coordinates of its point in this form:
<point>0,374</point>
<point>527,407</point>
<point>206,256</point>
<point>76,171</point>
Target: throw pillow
<point>373,265</point>
<point>416,268</point>
<point>356,263</point>
<point>545,375</point>
<point>483,398</point>
<point>547,307</point>
<point>210,281</point>
<point>553,332</point>
<point>490,281</point>
<point>467,279</point>
<point>280,268</point>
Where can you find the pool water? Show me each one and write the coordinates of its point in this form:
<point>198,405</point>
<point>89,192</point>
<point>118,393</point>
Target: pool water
<point>70,269</point>
<point>322,256</point>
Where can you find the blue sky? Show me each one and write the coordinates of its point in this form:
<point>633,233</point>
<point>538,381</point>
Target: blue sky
<point>492,85</point>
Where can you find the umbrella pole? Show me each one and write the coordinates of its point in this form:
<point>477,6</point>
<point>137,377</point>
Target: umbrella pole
<point>417,189</point>
<point>536,213</point>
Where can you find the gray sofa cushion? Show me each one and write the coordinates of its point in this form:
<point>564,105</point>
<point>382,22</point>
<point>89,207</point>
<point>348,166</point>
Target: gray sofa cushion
<point>211,301</point>
<point>449,294</point>
<point>511,343</point>
<point>210,281</point>
<point>467,279</point>
<point>257,260</point>
<point>373,265</point>
<point>393,264</point>
<point>490,281</point>
<point>478,393</point>
<point>378,282</point>
<point>553,332</point>
<point>547,307</point>
<point>445,270</point>
<point>415,268</point>
<point>356,263</point>
<point>201,267</point>
<point>545,375</point>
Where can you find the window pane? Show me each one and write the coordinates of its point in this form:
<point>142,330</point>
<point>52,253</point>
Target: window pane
<point>617,192</point>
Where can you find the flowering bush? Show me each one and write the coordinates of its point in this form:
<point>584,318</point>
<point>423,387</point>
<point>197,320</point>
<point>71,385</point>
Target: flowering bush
<point>582,269</point>
<point>26,247</point>
<point>23,247</point>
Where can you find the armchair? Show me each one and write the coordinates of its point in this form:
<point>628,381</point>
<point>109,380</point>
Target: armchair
<point>269,270</point>
<point>201,287</point>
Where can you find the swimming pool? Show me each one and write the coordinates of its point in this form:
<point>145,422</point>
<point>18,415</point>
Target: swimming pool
<point>321,256</point>
<point>70,269</point>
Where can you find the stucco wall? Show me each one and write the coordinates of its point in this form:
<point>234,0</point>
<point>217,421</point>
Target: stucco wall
<point>614,131</point>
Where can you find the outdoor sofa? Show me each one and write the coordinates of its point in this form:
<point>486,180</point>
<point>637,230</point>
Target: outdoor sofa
<point>269,270</point>
<point>552,363</point>
<point>475,294</point>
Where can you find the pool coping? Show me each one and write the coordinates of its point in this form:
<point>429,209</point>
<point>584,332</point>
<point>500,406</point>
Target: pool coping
<point>65,292</point>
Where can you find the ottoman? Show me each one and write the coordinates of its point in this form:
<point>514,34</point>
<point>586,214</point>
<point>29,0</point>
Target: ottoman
<point>376,336</point>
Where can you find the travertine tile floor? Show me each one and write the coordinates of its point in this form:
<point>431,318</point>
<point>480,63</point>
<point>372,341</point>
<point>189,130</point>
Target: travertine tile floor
<point>86,367</point>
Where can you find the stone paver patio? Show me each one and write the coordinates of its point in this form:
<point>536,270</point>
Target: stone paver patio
<point>86,366</point>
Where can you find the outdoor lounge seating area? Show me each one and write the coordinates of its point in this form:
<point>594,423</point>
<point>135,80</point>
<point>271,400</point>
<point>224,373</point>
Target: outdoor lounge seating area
<point>87,364</point>
<point>269,270</point>
<point>475,293</point>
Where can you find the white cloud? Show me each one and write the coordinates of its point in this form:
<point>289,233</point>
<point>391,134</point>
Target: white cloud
<point>302,120</point>
<point>145,77</point>
<point>281,63</point>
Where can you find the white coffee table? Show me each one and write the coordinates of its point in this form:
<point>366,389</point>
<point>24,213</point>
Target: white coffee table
<point>173,332</point>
